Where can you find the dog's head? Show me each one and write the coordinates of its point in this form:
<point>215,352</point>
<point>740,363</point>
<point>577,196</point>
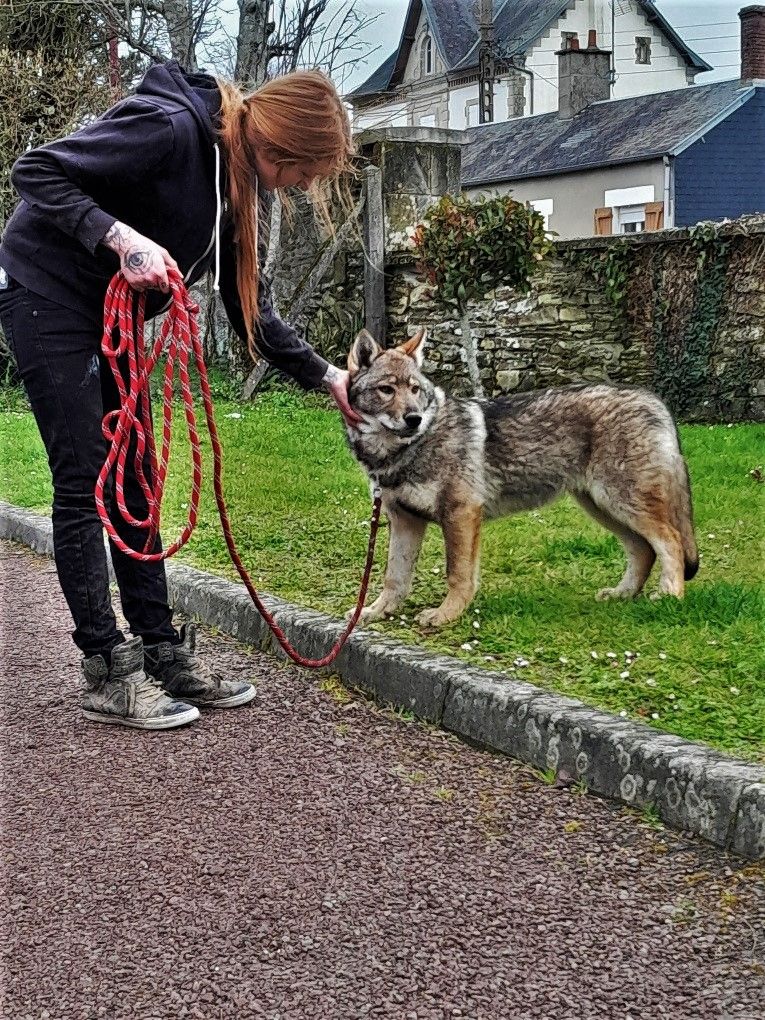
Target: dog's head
<point>389,389</point>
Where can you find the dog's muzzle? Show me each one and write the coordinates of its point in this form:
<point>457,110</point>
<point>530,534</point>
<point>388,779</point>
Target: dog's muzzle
<point>412,424</point>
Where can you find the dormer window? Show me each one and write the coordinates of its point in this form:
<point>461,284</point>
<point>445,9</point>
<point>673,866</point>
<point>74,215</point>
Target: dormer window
<point>426,56</point>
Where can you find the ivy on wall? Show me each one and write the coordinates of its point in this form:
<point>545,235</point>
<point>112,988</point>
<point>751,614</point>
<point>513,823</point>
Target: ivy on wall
<point>683,361</point>
<point>674,297</point>
<point>608,267</point>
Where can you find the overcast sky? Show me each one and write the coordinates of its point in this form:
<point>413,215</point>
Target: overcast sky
<point>709,27</point>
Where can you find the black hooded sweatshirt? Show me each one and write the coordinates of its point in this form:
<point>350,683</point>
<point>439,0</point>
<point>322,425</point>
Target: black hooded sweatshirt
<point>149,162</point>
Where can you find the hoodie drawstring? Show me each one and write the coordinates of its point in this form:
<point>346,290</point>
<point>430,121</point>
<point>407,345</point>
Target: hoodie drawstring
<point>218,215</point>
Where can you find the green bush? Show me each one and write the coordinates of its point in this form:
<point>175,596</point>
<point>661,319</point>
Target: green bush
<point>468,248</point>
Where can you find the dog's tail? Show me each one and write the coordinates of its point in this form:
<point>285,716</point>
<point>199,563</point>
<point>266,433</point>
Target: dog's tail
<point>684,524</point>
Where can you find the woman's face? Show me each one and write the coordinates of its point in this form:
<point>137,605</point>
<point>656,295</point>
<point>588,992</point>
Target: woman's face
<point>288,175</point>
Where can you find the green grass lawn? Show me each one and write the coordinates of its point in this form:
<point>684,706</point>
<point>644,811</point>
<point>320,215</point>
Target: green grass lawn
<point>299,507</point>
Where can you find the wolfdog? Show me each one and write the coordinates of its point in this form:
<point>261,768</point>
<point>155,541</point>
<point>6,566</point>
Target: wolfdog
<point>458,462</point>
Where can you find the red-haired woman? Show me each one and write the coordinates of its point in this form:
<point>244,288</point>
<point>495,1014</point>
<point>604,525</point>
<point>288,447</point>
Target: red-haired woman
<point>168,178</point>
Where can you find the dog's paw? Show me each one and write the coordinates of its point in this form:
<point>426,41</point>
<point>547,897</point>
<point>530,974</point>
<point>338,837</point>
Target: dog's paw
<point>369,614</point>
<point>605,594</point>
<point>663,593</point>
<point>432,618</point>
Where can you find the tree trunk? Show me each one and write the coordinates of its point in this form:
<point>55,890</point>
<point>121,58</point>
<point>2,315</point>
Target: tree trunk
<point>180,27</point>
<point>252,43</point>
<point>471,357</point>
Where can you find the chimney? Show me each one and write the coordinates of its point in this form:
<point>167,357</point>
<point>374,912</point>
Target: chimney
<point>752,43</point>
<point>584,76</point>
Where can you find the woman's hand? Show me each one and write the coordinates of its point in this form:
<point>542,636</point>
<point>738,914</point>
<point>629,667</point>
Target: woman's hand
<point>336,382</point>
<point>144,264</point>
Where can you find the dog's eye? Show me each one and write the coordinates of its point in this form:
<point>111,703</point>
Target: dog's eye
<point>387,390</point>
<point>415,390</point>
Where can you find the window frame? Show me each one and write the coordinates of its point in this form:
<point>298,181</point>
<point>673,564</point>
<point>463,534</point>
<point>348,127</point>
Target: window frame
<point>426,55</point>
<point>627,214</point>
<point>643,49</point>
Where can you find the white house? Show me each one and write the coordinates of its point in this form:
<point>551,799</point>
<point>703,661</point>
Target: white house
<point>431,79</point>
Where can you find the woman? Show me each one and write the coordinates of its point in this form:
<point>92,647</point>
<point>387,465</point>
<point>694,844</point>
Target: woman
<point>168,178</point>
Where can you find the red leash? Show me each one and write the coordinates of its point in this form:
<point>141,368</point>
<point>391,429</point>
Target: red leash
<point>180,332</point>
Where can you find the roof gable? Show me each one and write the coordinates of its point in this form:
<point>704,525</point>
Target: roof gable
<point>452,24</point>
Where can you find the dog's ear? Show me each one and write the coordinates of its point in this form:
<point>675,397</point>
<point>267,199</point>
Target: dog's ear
<point>414,347</point>
<point>364,351</point>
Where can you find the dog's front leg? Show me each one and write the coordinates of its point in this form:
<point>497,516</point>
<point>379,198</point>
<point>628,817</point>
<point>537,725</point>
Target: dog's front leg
<point>462,534</point>
<point>404,543</point>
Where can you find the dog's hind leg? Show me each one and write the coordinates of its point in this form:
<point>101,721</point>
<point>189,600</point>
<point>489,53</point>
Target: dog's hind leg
<point>462,534</point>
<point>640,555</point>
<point>404,544</point>
<point>668,543</point>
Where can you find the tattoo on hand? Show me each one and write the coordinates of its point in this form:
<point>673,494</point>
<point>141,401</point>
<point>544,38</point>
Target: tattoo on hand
<point>116,237</point>
<point>136,261</point>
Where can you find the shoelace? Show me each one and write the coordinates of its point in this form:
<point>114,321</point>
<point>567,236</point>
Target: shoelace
<point>151,688</point>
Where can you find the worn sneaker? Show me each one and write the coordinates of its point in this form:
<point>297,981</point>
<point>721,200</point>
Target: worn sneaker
<point>182,675</point>
<point>123,694</point>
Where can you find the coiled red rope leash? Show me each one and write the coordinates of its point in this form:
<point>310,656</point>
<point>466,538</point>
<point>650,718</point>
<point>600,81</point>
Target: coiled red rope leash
<point>180,333</point>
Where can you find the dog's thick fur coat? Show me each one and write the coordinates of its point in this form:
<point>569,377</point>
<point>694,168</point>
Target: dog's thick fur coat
<point>458,462</point>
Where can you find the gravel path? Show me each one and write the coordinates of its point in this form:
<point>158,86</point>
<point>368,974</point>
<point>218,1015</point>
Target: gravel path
<point>304,858</point>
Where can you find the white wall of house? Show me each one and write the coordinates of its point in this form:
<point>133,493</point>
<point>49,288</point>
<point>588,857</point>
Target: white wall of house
<point>665,72</point>
<point>463,105</point>
<point>389,115</point>
<point>569,201</point>
<point>430,95</point>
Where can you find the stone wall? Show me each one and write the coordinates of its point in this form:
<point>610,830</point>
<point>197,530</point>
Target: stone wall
<point>566,329</point>
<point>549,337</point>
<point>334,311</point>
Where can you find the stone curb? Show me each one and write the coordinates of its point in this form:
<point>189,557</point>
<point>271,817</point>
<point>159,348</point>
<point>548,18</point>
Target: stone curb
<point>692,787</point>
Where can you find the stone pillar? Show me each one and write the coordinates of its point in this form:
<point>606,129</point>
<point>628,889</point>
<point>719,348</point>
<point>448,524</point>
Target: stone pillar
<point>418,166</point>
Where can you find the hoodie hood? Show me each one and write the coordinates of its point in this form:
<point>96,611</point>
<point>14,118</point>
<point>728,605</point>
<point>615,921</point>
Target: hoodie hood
<point>197,91</point>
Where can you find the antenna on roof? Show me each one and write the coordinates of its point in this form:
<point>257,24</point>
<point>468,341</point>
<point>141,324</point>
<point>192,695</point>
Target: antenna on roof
<point>486,68</point>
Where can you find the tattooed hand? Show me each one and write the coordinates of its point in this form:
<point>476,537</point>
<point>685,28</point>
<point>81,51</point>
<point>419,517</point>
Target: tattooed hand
<point>144,264</point>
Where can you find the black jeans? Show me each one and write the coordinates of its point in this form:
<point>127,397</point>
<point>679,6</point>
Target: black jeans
<point>70,387</point>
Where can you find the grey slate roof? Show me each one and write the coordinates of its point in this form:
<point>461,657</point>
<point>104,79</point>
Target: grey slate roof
<point>606,133</point>
<point>518,24</point>
<point>378,81</point>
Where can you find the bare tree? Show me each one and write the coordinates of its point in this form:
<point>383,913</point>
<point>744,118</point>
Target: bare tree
<point>252,53</point>
<point>308,34</point>
<point>155,29</point>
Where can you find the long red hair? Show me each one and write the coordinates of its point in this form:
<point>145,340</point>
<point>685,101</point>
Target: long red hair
<point>296,118</point>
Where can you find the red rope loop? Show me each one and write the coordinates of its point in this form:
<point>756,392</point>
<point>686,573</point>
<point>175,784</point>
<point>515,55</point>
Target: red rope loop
<point>124,336</point>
